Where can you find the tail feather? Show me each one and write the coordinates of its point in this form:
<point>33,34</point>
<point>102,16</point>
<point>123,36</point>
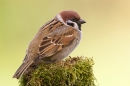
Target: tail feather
<point>22,69</point>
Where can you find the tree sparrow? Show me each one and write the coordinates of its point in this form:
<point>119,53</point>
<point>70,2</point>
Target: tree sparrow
<point>54,41</point>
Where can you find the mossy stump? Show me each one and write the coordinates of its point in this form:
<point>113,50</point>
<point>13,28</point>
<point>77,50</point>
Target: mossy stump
<point>76,71</point>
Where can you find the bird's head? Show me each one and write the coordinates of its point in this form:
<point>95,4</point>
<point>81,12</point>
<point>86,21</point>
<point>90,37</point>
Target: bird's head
<point>70,18</point>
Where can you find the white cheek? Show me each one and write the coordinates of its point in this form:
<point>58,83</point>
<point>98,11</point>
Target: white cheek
<point>58,17</point>
<point>76,26</point>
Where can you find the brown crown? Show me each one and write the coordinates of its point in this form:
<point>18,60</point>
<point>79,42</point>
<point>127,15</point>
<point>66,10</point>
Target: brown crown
<point>68,15</point>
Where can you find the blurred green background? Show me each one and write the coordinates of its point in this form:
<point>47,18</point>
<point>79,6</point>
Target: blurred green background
<point>106,35</point>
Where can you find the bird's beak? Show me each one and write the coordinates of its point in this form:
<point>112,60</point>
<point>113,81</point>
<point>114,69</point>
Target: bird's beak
<point>81,21</point>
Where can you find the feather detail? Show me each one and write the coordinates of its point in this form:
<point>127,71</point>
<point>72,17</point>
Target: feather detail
<point>55,41</point>
<point>21,70</point>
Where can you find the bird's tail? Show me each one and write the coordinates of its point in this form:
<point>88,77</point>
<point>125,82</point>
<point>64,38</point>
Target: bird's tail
<point>22,69</point>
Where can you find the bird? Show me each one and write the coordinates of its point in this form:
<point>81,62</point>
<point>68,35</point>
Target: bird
<point>54,41</point>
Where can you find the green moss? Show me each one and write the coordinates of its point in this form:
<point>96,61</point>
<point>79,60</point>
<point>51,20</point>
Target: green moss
<point>75,71</point>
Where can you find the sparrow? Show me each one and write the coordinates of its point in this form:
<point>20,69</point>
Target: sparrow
<point>54,41</point>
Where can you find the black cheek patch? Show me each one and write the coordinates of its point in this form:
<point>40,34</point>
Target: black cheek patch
<point>70,24</point>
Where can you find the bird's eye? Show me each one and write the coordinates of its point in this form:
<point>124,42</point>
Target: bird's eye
<point>74,19</point>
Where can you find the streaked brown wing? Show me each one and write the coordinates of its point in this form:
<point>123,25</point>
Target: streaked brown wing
<point>56,41</point>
